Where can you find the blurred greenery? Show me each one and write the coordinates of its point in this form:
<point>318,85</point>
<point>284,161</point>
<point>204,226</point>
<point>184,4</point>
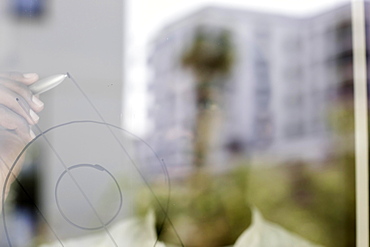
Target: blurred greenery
<point>213,212</point>
<point>209,56</point>
<point>316,202</point>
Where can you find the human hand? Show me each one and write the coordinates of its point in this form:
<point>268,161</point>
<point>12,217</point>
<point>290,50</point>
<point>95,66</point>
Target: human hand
<point>18,106</point>
<point>18,111</point>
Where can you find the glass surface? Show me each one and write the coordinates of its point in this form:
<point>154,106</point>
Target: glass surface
<point>184,123</point>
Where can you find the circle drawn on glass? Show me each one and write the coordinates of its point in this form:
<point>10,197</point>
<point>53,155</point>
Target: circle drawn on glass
<point>100,169</point>
<point>162,207</point>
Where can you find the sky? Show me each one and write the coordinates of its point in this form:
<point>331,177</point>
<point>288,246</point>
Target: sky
<point>144,18</point>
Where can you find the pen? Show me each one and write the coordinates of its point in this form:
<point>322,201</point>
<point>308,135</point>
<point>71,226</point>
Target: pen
<point>44,85</point>
<point>47,83</point>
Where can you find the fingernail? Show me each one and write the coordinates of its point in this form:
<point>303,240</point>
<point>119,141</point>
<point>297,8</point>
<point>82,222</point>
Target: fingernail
<point>32,134</point>
<point>29,75</point>
<point>34,116</point>
<point>38,102</point>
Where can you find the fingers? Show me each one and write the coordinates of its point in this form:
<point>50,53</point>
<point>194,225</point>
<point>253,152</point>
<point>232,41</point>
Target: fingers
<point>21,91</point>
<point>25,78</point>
<point>16,124</point>
<point>17,104</point>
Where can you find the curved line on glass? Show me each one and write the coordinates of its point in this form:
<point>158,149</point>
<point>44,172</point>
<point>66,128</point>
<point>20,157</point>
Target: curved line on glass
<point>163,208</point>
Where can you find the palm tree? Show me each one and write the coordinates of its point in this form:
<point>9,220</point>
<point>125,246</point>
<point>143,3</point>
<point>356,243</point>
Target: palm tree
<point>210,58</point>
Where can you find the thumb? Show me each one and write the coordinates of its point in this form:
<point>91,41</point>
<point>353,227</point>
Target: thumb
<point>26,78</point>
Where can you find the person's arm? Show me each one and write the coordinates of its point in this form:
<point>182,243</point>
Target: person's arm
<point>18,111</point>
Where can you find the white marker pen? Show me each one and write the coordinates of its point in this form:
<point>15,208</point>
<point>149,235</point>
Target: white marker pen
<point>47,83</point>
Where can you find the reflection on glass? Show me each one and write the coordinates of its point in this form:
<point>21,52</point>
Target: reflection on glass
<point>264,103</point>
<point>248,140</point>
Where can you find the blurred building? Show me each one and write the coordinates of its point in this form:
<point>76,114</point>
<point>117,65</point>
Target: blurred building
<point>287,75</point>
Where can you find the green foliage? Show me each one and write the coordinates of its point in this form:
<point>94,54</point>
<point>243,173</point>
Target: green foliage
<point>265,233</point>
<point>320,209</point>
<point>341,120</point>
<point>314,201</point>
<point>211,213</point>
<point>211,58</point>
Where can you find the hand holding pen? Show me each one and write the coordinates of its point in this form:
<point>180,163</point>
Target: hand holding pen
<point>19,102</point>
<point>19,108</point>
<point>15,130</point>
<point>13,118</point>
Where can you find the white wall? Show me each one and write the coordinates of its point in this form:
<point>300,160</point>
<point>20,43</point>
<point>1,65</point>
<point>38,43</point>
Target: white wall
<point>84,38</point>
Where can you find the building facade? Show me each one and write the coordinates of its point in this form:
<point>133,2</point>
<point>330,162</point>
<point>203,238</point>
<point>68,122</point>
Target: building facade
<point>288,72</point>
